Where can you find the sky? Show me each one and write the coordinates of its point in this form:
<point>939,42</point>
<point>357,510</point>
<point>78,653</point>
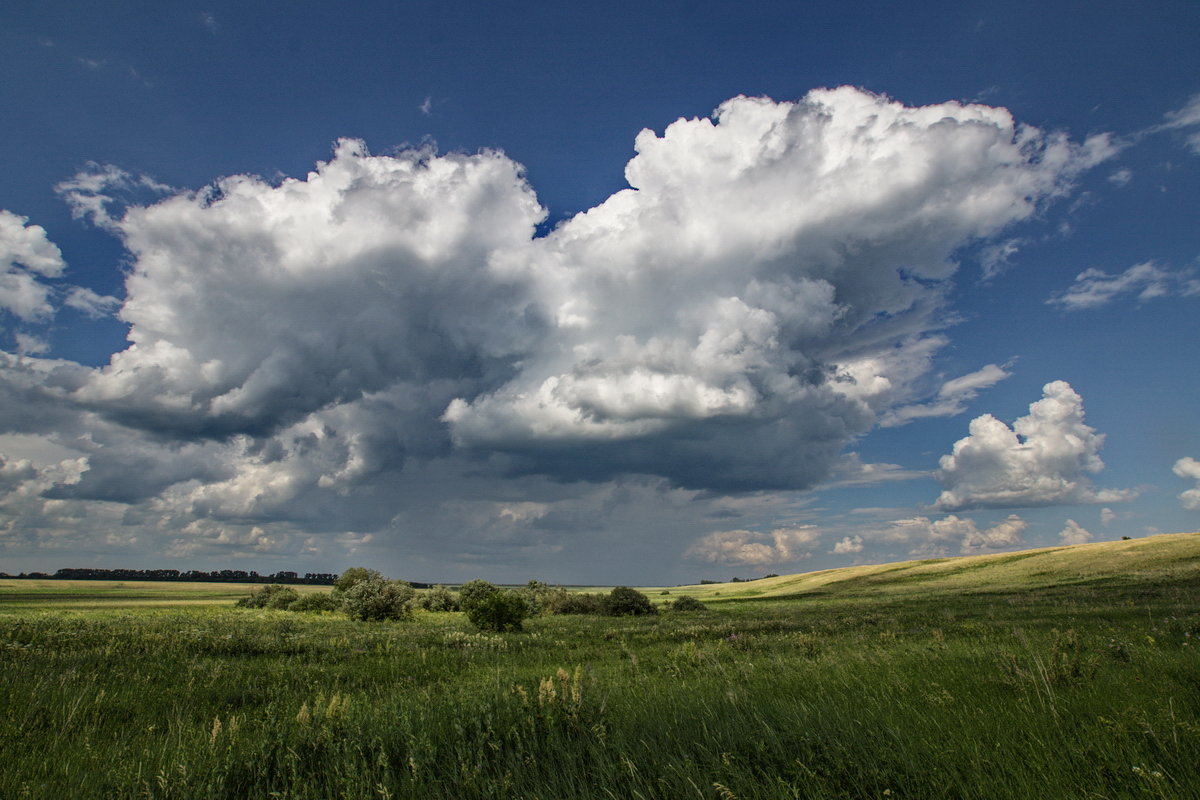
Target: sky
<point>639,293</point>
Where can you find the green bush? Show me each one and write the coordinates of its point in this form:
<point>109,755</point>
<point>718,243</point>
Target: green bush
<point>687,603</point>
<point>475,591</point>
<point>263,596</point>
<point>560,601</point>
<point>316,601</point>
<point>353,576</point>
<point>284,598</point>
<point>626,602</point>
<point>439,598</point>
<point>501,610</point>
<point>378,599</point>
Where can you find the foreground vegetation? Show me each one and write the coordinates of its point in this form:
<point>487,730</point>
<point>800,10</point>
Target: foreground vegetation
<point>1087,687</point>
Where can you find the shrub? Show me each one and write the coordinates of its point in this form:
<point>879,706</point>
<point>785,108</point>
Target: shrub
<point>687,603</point>
<point>501,610</point>
<point>560,601</point>
<point>439,598</point>
<point>474,591</point>
<point>284,598</point>
<point>378,599</point>
<point>262,596</point>
<point>536,593</point>
<point>353,576</point>
<point>625,602</point>
<point>316,601</point>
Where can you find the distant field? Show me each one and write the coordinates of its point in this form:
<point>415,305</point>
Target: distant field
<point>22,594</point>
<point>1058,673</point>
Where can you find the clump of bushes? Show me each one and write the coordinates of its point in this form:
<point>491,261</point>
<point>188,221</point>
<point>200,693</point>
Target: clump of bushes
<point>315,601</point>
<point>687,603</point>
<point>560,601</point>
<point>376,598</point>
<point>270,596</point>
<point>626,602</point>
<point>439,598</point>
<point>490,608</point>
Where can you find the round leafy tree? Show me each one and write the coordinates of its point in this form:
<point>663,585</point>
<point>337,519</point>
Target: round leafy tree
<point>475,591</point>
<point>352,576</point>
<point>501,610</point>
<point>378,599</point>
<point>625,602</point>
<point>687,603</point>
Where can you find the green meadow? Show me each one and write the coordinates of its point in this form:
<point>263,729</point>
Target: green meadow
<point>1068,672</point>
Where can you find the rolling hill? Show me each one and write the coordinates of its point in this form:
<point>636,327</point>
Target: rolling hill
<point>1165,558</point>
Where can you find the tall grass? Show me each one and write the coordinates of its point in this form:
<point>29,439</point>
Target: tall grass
<point>1090,692</point>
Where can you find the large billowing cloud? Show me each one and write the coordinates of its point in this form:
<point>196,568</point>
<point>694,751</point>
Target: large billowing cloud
<point>767,285</point>
<point>1045,458</point>
<point>770,286</point>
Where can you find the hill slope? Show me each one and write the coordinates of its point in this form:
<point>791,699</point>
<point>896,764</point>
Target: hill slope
<point>1170,557</point>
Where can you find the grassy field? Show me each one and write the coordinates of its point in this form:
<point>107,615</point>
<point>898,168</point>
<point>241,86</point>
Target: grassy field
<point>1067,672</point>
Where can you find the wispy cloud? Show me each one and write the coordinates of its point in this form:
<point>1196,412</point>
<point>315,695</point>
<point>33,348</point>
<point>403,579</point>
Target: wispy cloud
<point>1094,288</point>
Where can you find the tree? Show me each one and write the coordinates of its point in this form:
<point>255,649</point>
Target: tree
<point>687,603</point>
<point>439,598</point>
<point>625,602</point>
<point>475,591</point>
<point>353,576</point>
<point>501,610</point>
<point>377,598</point>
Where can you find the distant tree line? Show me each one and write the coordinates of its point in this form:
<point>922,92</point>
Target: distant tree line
<point>221,575</point>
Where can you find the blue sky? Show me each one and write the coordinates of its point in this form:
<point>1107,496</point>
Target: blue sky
<point>632,293</point>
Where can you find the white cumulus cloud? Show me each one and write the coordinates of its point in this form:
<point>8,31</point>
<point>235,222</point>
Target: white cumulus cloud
<point>1189,468</point>
<point>925,536</point>
<point>26,256</point>
<point>748,548</point>
<point>1043,459</point>
<point>1074,533</point>
<point>848,544</point>
<point>324,353</point>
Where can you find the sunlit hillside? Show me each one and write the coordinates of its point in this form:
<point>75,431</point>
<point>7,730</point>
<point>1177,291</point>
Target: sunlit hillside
<point>1163,557</point>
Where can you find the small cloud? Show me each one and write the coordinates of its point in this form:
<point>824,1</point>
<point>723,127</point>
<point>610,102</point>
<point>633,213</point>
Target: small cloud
<point>91,191</point>
<point>1074,533</point>
<point>750,548</point>
<point>925,536</point>
<point>951,399</point>
<point>30,345</point>
<point>1186,117</point>
<point>208,21</point>
<point>1094,288</point>
<point>1107,515</point>
<point>848,545</point>
<point>91,63</point>
<point>90,303</point>
<point>850,470</point>
<point>426,105</point>
<point>1120,177</point>
<point>1189,469</point>
<point>993,259</point>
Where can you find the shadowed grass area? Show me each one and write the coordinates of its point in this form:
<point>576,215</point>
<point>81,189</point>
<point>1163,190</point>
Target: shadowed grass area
<point>1087,686</point>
